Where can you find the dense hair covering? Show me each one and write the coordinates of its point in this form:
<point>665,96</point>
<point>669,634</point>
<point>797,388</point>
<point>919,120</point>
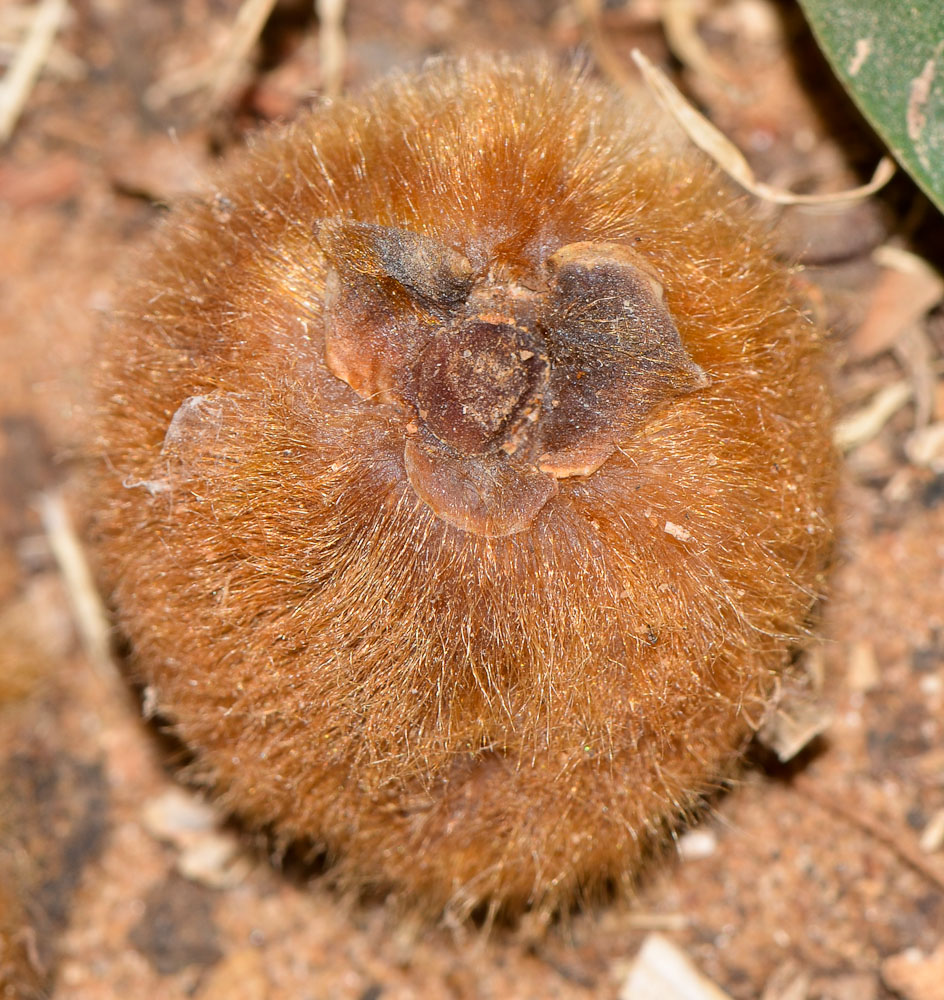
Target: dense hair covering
<point>505,704</point>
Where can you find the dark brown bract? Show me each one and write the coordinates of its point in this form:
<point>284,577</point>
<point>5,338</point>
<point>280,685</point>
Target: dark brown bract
<point>465,478</point>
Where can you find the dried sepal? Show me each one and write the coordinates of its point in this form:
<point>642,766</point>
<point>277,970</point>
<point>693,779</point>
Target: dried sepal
<point>380,287</point>
<point>474,382</point>
<point>473,492</point>
<point>617,353</point>
<point>541,375</point>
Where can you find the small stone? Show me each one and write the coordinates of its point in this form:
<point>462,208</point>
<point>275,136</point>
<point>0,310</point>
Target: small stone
<point>932,837</point>
<point>863,672</point>
<point>697,844</point>
<point>677,531</point>
<point>914,975</point>
<point>662,971</point>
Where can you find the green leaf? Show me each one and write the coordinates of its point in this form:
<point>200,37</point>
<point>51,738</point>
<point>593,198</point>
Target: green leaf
<point>889,54</point>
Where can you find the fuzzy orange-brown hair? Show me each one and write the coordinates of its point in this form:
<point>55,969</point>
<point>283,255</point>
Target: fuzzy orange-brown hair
<point>468,706</point>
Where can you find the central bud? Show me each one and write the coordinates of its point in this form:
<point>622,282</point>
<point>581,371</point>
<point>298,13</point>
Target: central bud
<point>475,382</point>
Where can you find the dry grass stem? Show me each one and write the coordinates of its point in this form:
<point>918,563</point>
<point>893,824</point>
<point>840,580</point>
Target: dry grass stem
<point>221,73</point>
<point>332,44</point>
<point>866,423</point>
<point>87,607</point>
<point>932,836</point>
<point>925,447</point>
<point>250,21</point>
<point>681,32</point>
<point>589,13</point>
<point>730,159</point>
<point>27,64</point>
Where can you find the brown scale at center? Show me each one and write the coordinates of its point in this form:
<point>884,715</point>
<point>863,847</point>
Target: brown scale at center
<point>476,382</point>
<point>506,386</point>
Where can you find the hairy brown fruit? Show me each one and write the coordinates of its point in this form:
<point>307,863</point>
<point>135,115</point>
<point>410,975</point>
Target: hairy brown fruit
<point>466,477</point>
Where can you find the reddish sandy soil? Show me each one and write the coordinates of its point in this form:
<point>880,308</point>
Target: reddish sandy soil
<point>116,883</point>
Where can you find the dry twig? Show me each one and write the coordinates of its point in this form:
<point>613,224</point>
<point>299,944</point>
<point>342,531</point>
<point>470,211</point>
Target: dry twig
<point>250,21</point>
<point>731,160</point>
<point>18,82</point>
<point>705,135</point>
<point>90,616</point>
<point>865,424</point>
<point>681,32</point>
<point>222,71</point>
<point>589,11</point>
<point>331,44</point>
